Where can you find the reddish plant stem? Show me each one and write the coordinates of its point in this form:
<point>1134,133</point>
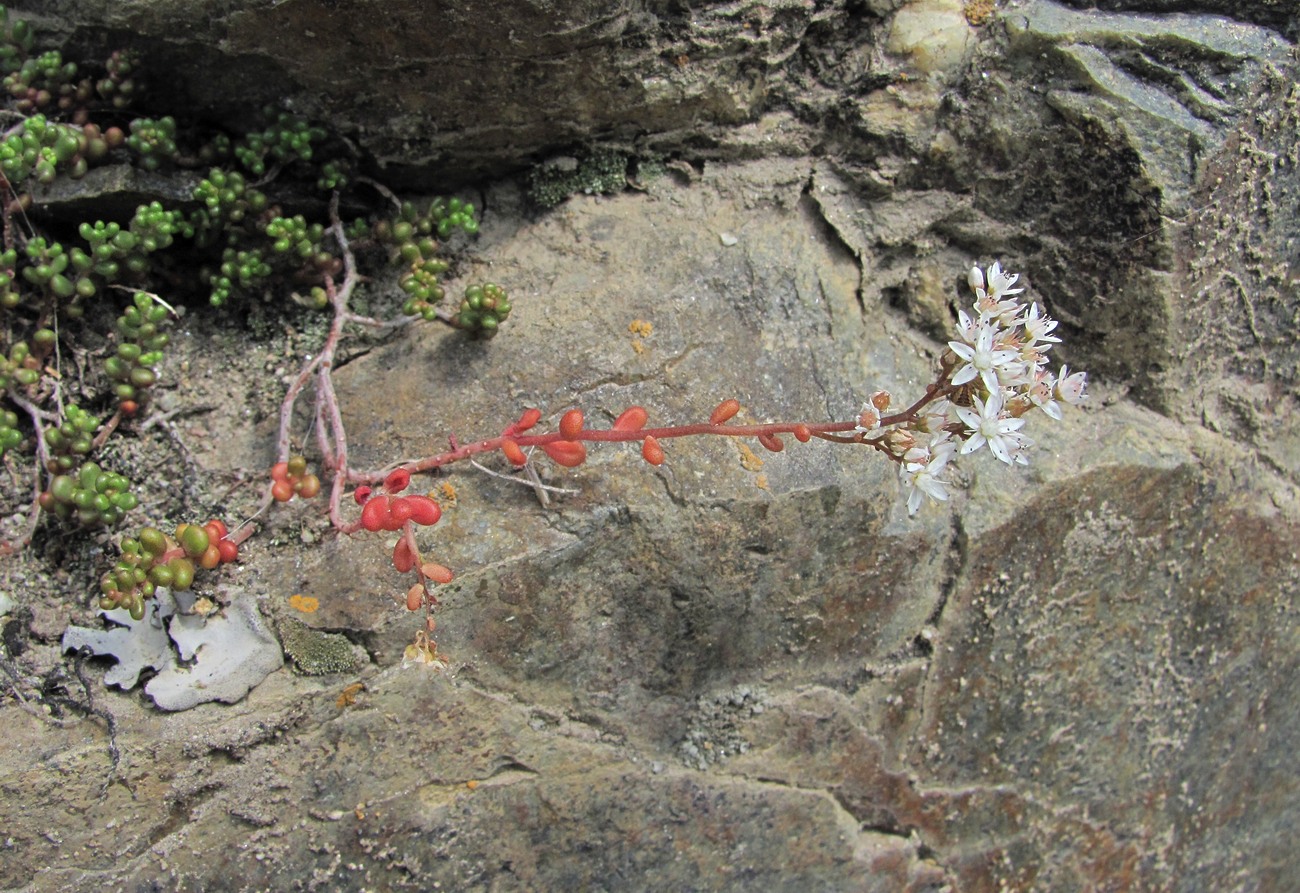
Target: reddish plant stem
<point>331,434</point>
<point>36,414</point>
<point>832,431</point>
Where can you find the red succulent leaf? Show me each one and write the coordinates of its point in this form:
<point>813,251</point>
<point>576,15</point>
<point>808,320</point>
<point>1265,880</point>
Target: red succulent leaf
<point>374,514</point>
<point>569,453</point>
<point>571,424</point>
<point>632,419</point>
<point>724,411</point>
<point>403,558</point>
<point>651,451</point>
<point>398,479</point>
<point>514,455</point>
<point>424,511</point>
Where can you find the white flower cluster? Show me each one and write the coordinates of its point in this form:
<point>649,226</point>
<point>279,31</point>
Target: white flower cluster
<point>1001,354</point>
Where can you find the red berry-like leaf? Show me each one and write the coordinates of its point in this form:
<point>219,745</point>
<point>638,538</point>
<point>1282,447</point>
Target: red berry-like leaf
<point>802,434</point>
<point>437,573</point>
<point>571,424</point>
<point>308,487</point>
<point>403,558</point>
<point>415,597</point>
<point>569,453</point>
<point>280,471</point>
<point>210,558</point>
<point>651,451</point>
<point>361,494</point>
<point>228,551</point>
<point>772,442</point>
<point>526,421</point>
<point>632,419</point>
<point>397,480</point>
<point>282,491</point>
<point>724,411</point>
<point>424,511</point>
<point>399,512</point>
<point>514,455</point>
<point>374,513</point>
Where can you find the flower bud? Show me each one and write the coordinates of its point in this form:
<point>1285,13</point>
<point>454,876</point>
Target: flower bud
<point>868,419</point>
<point>899,440</point>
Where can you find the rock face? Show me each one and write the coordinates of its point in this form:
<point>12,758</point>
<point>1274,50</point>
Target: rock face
<point>721,675</point>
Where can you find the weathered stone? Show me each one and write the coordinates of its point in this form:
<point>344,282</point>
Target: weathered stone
<point>451,89</point>
<point>1089,132</point>
<point>1078,675</point>
<point>933,34</point>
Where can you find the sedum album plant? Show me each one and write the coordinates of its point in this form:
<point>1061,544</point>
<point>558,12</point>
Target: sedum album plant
<point>992,380</point>
<point>235,243</point>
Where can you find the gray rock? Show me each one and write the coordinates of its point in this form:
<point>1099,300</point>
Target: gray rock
<point>1078,675</point>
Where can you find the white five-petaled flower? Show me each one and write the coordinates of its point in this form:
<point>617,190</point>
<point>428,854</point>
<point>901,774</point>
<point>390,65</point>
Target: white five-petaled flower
<point>1000,283</point>
<point>989,301</point>
<point>920,471</point>
<point>983,359</point>
<point>1038,327</point>
<point>1042,393</point>
<point>988,425</point>
<point>1069,386</point>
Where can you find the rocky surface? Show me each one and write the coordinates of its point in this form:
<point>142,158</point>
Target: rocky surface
<point>721,675</point>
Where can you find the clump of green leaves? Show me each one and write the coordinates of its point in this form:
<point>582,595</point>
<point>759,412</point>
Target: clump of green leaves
<point>247,238</point>
<point>10,436</point>
<point>483,310</point>
<point>46,82</point>
<point>42,149</point>
<point>152,559</point>
<point>132,367</point>
<point>285,140</point>
<point>153,141</point>
<point>68,442</point>
<point>91,495</point>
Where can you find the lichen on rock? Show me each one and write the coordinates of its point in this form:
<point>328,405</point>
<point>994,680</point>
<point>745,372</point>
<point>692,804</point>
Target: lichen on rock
<point>199,659</point>
<point>316,652</point>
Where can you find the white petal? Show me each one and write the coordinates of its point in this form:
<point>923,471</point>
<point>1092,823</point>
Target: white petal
<point>999,449</point>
